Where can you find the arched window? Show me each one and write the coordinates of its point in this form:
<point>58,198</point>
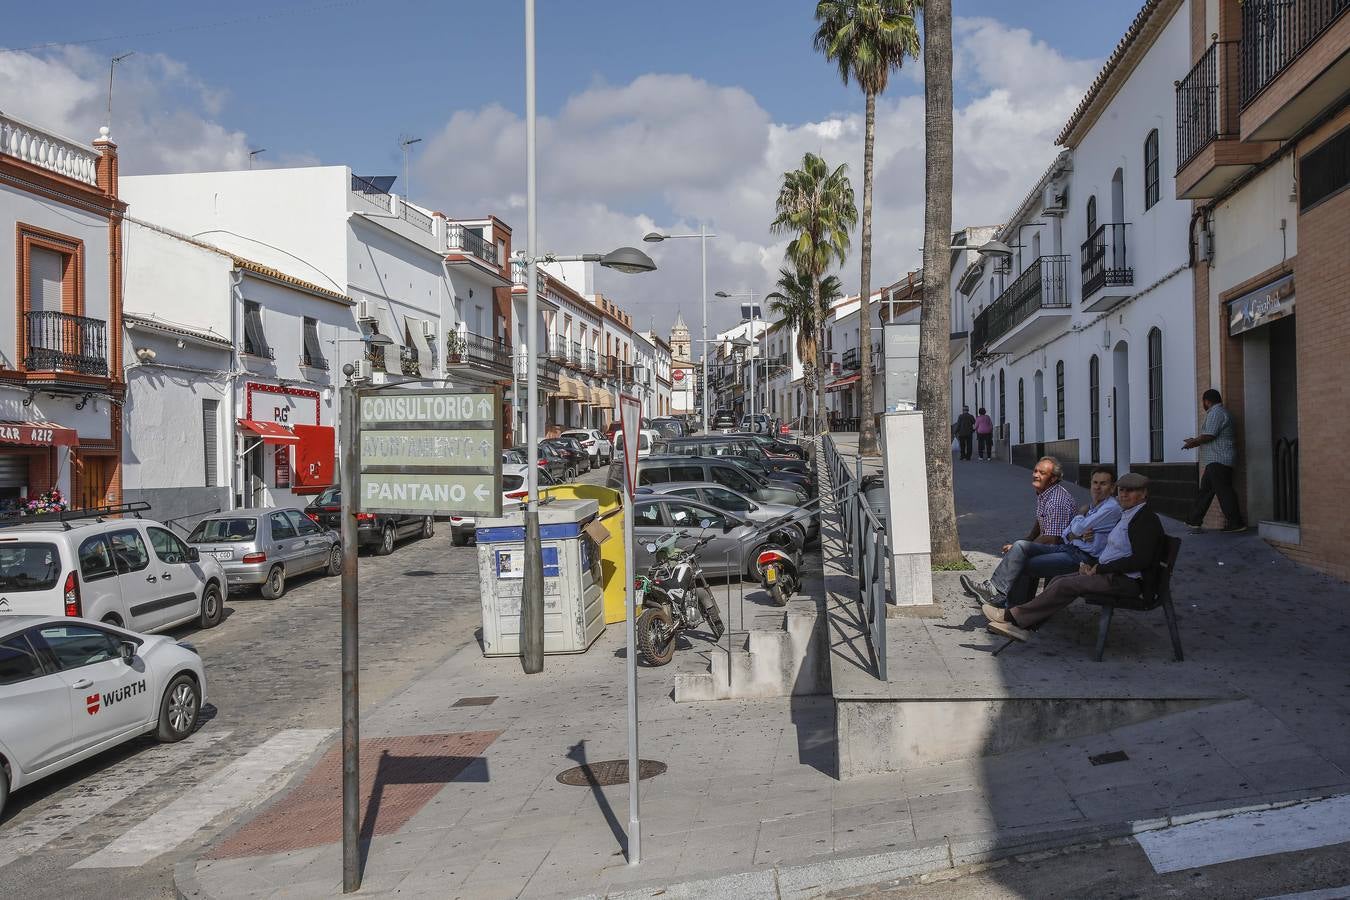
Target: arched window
<point>1151,169</point>
<point>1155,395</point>
<point>1091,215</point>
<point>1021,412</point>
<point>1059,399</point>
<point>1002,401</point>
<point>1095,406</point>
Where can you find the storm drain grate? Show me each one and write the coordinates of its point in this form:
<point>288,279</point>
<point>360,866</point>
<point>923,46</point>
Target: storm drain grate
<point>1105,759</point>
<point>474,701</point>
<point>609,771</point>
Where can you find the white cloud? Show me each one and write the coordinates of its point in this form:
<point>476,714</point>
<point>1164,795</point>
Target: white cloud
<point>679,150</point>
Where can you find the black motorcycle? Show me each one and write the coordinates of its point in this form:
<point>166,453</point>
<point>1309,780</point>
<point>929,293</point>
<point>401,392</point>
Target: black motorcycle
<point>675,597</point>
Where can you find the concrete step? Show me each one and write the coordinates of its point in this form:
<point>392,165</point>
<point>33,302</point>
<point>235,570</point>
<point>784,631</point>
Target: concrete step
<point>765,663</point>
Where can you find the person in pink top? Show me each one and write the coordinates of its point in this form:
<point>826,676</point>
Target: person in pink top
<point>984,435</point>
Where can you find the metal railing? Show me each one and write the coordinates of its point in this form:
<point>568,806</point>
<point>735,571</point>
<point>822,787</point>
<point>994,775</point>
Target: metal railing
<point>61,342</point>
<point>1044,285</point>
<point>415,217</point>
<point>558,347</point>
<point>865,537</point>
<point>574,354</point>
<point>1286,480</point>
<point>591,364</point>
<point>1198,107</point>
<point>1104,259</point>
<point>459,237</point>
<point>467,348</point>
<point>850,359</point>
<point>1276,32</point>
<point>371,194</point>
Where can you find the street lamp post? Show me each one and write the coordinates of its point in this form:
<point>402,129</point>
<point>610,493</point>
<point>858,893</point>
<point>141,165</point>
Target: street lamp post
<point>654,237</point>
<point>753,341</point>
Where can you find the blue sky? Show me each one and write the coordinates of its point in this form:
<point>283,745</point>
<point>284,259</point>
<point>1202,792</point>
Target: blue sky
<point>338,82</point>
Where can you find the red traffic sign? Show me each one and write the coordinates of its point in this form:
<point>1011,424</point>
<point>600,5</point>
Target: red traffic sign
<point>630,422</point>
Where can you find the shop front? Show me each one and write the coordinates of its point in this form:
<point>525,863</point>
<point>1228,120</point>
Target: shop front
<point>287,452</point>
<point>35,458</point>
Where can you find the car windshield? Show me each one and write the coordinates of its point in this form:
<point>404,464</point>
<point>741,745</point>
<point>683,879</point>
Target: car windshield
<point>224,531</point>
<point>330,497</point>
<point>512,482</point>
<point>29,567</point>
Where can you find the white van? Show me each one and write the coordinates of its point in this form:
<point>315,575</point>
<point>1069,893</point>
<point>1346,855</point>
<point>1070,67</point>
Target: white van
<point>646,438</point>
<point>130,572</point>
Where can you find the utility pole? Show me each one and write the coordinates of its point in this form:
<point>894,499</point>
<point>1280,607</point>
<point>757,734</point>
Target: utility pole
<point>532,590</point>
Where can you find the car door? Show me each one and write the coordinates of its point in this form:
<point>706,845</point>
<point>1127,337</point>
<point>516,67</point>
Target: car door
<point>138,583</point>
<point>286,542</point>
<point>314,543</point>
<point>728,476</point>
<point>107,697</point>
<point>690,517</point>
<point>648,525</point>
<point>728,501</point>
<point>33,705</point>
<point>179,586</point>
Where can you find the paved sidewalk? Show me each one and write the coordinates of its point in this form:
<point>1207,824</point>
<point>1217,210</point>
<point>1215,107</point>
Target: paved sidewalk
<point>467,803</point>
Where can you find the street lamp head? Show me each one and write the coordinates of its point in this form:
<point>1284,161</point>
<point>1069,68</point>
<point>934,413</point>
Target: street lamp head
<point>995,248</point>
<point>629,260</point>
<point>654,237</point>
<point>722,294</point>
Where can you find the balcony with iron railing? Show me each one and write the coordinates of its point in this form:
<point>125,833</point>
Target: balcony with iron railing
<point>1108,277</point>
<point>463,239</point>
<point>1034,306</point>
<point>372,195</point>
<point>592,362</point>
<point>1275,35</point>
<point>851,359</point>
<point>61,342</point>
<point>475,351</point>
<point>574,356</point>
<point>557,347</point>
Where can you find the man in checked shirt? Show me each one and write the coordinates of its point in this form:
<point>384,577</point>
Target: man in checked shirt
<point>1055,509</point>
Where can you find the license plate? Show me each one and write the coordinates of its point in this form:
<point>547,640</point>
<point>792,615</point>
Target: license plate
<point>771,574</point>
<point>223,554</point>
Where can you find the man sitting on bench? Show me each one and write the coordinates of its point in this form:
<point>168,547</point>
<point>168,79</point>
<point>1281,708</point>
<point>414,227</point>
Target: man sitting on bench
<point>1135,544</point>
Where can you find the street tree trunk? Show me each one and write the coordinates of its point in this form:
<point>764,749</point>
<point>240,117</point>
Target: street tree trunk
<point>822,363</point>
<point>935,323</point>
<point>867,432</point>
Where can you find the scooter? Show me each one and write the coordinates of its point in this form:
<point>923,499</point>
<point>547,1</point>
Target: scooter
<point>777,561</point>
<point>675,597</point>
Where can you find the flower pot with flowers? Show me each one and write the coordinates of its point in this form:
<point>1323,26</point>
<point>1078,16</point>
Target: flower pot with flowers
<point>48,501</point>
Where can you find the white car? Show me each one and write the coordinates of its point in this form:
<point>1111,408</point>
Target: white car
<point>462,528</point>
<point>71,688</point>
<point>595,443</point>
<point>130,572</point>
<point>647,437</point>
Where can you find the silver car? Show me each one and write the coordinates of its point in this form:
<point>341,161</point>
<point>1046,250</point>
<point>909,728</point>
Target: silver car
<point>727,500</point>
<point>730,554</point>
<point>263,547</point>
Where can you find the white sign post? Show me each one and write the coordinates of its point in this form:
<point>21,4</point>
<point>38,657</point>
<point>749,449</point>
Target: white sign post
<point>630,420</point>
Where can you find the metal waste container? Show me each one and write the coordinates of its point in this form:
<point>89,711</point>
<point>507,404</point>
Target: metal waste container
<point>573,601</point>
<point>613,573</point>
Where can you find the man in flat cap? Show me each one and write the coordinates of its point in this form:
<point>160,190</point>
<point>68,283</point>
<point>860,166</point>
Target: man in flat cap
<point>1133,546</point>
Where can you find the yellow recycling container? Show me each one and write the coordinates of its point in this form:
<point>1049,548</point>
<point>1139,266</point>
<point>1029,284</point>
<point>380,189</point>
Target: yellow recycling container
<point>613,576</point>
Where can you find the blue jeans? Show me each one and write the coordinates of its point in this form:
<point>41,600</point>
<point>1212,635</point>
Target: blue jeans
<point>1027,560</point>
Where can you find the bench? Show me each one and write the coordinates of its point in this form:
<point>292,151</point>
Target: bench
<point>1157,592</point>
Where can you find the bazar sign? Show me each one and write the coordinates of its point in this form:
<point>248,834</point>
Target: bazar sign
<point>36,435</point>
<point>430,452</point>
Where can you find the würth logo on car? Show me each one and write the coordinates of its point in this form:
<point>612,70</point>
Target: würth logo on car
<point>4,604</point>
<point>127,690</point>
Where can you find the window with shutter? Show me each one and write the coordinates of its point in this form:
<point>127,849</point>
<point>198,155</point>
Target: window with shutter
<point>255,343</point>
<point>313,350</point>
<point>45,268</point>
<point>210,449</point>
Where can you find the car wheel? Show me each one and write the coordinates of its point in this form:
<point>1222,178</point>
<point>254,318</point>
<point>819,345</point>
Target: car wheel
<point>386,545</point>
<point>275,585</point>
<point>428,527</point>
<point>4,789</point>
<point>212,611</point>
<point>112,620</point>
<point>335,560</point>
<point>179,709</point>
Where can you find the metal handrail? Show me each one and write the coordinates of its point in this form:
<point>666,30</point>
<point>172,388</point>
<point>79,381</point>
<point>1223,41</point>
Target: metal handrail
<point>865,536</point>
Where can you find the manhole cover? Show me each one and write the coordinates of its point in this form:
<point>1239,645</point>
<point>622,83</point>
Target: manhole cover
<point>609,771</point>
<point>474,701</point>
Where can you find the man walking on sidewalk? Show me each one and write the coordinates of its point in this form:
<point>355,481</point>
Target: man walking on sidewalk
<point>1218,456</point>
<point>984,435</point>
<point>964,429</point>
<point>1054,513</point>
<point>1133,546</point>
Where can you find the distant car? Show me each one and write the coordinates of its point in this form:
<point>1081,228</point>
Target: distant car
<point>724,421</point>
<point>582,455</point>
<point>513,458</point>
<point>71,688</point>
<point>729,501</point>
<point>375,530</point>
<point>514,492</point>
<point>776,446</point>
<point>550,460</point>
<point>600,448</point>
<point>756,424</point>
<point>668,427</point>
<point>726,472</point>
<point>128,572</point>
<point>262,548</point>
<point>573,458</point>
<point>647,439</point>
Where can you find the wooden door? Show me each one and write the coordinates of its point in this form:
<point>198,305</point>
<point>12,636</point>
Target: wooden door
<point>95,482</point>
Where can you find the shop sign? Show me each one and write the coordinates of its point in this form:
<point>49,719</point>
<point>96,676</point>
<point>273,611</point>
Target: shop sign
<point>40,434</point>
<point>282,460</point>
<point>430,452</point>
<point>1262,306</point>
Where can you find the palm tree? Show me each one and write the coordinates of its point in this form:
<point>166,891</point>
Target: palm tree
<point>796,307</point>
<point>867,39</point>
<point>815,207</point>
<point>934,323</point>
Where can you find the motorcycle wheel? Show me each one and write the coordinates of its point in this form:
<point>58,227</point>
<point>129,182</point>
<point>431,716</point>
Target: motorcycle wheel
<point>779,596</point>
<point>712,613</point>
<point>654,622</point>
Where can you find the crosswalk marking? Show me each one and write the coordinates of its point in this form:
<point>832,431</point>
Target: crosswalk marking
<point>1212,841</point>
<point>100,793</point>
<point>247,781</point>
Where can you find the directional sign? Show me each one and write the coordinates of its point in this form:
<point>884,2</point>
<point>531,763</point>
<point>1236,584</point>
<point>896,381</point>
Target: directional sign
<point>430,452</point>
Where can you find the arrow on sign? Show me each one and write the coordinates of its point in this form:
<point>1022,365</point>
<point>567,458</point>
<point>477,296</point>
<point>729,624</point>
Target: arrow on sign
<point>484,409</point>
<point>481,492</point>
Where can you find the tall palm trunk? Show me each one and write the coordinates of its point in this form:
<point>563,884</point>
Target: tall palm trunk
<point>822,364</point>
<point>867,432</point>
<point>935,323</point>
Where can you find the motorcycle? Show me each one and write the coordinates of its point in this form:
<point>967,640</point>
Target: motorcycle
<point>675,597</point>
<point>777,561</point>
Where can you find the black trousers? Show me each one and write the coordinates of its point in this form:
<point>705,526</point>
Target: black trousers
<point>986,444</point>
<point>964,441</point>
<point>1217,480</point>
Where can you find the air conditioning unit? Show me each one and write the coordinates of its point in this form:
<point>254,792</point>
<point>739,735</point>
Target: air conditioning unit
<point>365,310</point>
<point>363,369</point>
<point>428,329</point>
<point>1055,200</point>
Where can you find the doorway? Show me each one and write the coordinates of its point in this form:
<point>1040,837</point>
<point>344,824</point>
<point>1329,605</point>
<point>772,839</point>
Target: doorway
<point>255,490</point>
<point>96,474</point>
<point>1120,406</point>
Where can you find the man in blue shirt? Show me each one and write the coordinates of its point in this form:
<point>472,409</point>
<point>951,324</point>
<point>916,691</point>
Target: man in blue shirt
<point>1079,541</point>
<point>1218,456</point>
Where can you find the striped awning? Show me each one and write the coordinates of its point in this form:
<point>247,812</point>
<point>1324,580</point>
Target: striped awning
<point>37,434</point>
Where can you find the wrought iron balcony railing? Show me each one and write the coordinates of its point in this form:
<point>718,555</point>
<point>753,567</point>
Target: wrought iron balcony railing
<point>1198,106</point>
<point>850,359</point>
<point>591,362</point>
<point>574,354</point>
<point>558,348</point>
<point>61,342</point>
<point>1104,260</point>
<point>1276,32</point>
<point>469,349</point>
<point>1044,285</point>
<point>459,237</point>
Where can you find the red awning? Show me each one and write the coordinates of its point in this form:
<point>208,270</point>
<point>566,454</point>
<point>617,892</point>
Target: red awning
<point>270,432</point>
<point>313,458</point>
<point>37,434</point>
<point>841,383</point>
